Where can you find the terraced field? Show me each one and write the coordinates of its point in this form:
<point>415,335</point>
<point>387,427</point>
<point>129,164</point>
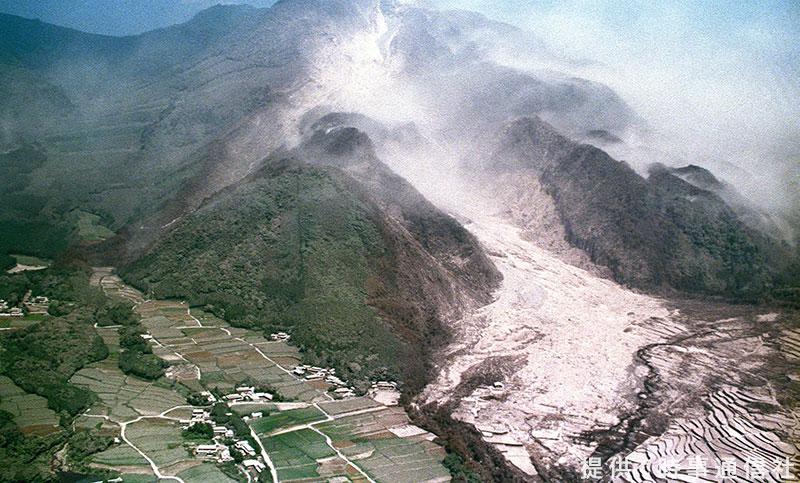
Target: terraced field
<point>296,455</point>
<point>286,419</point>
<point>225,356</point>
<point>737,429</point>
<point>387,447</point>
<point>30,411</point>
<point>124,397</point>
<point>311,439</point>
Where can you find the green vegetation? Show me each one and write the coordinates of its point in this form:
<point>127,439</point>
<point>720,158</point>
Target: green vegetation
<point>285,419</point>
<point>41,358</point>
<point>89,227</point>
<point>137,357</point>
<point>307,247</point>
<point>25,457</point>
<point>235,421</point>
<point>295,454</point>
<point>201,431</point>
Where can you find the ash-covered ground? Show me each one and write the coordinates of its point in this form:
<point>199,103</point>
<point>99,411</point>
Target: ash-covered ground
<point>565,367</point>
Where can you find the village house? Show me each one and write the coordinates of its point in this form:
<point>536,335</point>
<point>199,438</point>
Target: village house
<point>245,448</point>
<point>206,450</point>
<point>209,397</point>
<point>254,464</point>
<point>279,336</point>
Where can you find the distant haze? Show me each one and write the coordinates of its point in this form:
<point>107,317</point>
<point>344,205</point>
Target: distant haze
<point>718,82</point>
<point>115,17</point>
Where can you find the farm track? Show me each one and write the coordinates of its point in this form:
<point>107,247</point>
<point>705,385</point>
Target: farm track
<point>114,287</point>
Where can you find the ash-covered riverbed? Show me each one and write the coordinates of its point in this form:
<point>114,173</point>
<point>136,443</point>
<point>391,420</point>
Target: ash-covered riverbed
<point>565,367</point>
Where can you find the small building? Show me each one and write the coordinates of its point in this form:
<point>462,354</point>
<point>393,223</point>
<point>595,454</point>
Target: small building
<point>229,433</point>
<point>234,397</point>
<point>254,464</point>
<point>245,389</point>
<point>258,396</point>
<point>279,336</point>
<point>220,430</point>
<point>245,448</point>
<point>256,415</point>
<point>209,397</point>
<point>206,449</point>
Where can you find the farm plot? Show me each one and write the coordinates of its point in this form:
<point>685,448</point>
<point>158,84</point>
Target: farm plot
<point>160,440</point>
<point>296,455</point>
<point>204,473</point>
<point>225,356</point>
<point>247,408</point>
<point>114,286</point>
<point>122,397</point>
<point>367,440</point>
<point>121,457</point>
<point>349,405</point>
<point>30,411</point>
<point>286,419</point>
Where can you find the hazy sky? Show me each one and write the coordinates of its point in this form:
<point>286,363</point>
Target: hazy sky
<point>114,17</point>
<point>721,78</point>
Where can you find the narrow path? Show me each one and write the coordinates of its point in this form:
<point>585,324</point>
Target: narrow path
<point>153,465</point>
<point>272,470</point>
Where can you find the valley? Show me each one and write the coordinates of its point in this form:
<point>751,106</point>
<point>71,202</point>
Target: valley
<point>383,241</point>
<point>565,366</point>
<point>311,436</point>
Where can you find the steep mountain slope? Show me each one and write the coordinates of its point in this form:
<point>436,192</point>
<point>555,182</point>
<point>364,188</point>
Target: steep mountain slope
<point>126,123</point>
<point>650,232</point>
<point>342,253</point>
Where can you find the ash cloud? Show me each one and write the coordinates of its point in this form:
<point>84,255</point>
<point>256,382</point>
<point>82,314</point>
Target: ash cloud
<point>717,83</point>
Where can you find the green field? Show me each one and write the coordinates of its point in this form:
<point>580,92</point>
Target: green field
<point>122,397</point>
<point>120,455</point>
<point>365,439</point>
<point>88,226</point>
<point>30,411</point>
<point>160,440</point>
<point>295,454</point>
<point>286,419</point>
<point>204,473</point>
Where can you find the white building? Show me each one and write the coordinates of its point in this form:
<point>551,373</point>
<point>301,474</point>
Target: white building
<point>254,464</point>
<point>245,448</point>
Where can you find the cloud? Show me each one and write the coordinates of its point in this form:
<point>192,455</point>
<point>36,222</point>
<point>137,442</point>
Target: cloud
<point>719,81</point>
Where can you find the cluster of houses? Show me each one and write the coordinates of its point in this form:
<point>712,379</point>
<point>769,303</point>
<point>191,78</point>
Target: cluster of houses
<point>280,336</point>
<point>6,311</point>
<point>313,373</point>
<point>218,450</point>
<point>37,304</point>
<point>247,394</point>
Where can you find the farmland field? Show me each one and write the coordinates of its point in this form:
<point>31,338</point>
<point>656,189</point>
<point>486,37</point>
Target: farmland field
<point>367,440</point>
<point>160,440</point>
<point>286,419</point>
<point>295,454</point>
<point>30,411</point>
<point>124,397</point>
<point>204,473</point>
<point>120,456</point>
